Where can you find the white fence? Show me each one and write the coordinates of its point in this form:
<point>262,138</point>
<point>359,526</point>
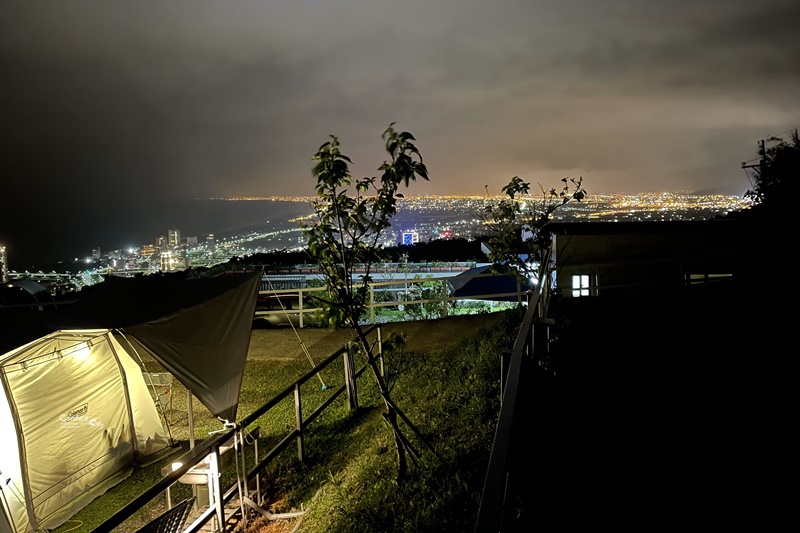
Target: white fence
<point>432,295</point>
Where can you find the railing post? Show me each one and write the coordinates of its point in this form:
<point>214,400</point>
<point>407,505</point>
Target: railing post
<point>300,305</point>
<point>239,452</point>
<point>505,361</point>
<point>380,351</point>
<point>215,489</point>
<point>258,475</point>
<point>298,413</point>
<point>529,346</point>
<point>444,297</point>
<point>540,306</point>
<point>350,378</point>
<point>371,303</point>
<point>541,326</point>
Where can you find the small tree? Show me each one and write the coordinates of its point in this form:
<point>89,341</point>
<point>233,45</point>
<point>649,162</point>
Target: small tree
<point>777,177</point>
<point>347,233</point>
<point>518,225</point>
<point>433,291</point>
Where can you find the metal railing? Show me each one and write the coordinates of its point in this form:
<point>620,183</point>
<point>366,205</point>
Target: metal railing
<point>208,453</point>
<point>531,340</point>
<point>293,303</point>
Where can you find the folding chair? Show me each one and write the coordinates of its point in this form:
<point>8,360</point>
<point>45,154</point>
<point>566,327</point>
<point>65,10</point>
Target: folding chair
<point>171,520</point>
<point>160,384</point>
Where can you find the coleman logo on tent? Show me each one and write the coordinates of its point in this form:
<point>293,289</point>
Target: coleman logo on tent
<point>75,414</point>
<point>78,412</point>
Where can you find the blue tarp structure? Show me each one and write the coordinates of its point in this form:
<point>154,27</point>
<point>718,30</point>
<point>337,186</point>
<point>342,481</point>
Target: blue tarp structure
<point>23,292</point>
<point>483,285</point>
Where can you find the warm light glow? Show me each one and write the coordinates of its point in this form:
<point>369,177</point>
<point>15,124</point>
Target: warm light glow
<point>580,285</point>
<point>81,352</point>
<point>176,466</point>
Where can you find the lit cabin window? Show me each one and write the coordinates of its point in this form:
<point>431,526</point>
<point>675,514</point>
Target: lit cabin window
<point>695,279</point>
<point>580,285</point>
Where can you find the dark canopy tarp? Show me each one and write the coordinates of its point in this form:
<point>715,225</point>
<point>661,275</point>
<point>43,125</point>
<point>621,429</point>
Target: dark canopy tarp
<point>198,329</point>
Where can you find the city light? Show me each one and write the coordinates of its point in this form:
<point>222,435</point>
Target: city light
<point>419,219</point>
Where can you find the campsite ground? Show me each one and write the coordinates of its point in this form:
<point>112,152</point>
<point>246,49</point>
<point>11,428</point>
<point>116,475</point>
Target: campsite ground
<point>423,335</point>
<point>282,345</point>
<point>290,344</point>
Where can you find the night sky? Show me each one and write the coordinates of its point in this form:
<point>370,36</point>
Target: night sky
<point>112,111</point>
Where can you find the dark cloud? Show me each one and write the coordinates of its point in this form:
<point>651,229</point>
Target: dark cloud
<point>124,107</point>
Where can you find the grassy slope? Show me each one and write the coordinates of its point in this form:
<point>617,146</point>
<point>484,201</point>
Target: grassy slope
<point>447,384</point>
<point>451,393</point>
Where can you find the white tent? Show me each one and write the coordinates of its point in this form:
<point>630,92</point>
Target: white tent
<point>75,417</point>
<point>75,413</point>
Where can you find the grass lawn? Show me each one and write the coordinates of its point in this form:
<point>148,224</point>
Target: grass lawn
<point>446,380</point>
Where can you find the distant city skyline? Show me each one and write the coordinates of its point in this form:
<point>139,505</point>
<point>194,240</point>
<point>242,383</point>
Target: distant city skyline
<point>237,216</point>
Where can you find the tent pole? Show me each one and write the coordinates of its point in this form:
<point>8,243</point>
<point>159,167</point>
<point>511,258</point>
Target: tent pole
<point>238,445</point>
<point>190,415</point>
<point>191,418</point>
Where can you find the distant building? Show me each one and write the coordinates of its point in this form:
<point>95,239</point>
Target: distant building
<point>612,258</point>
<point>3,264</point>
<point>191,241</point>
<point>410,237</point>
<point>181,261</point>
<point>166,261</point>
<point>173,237</point>
<point>97,253</point>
